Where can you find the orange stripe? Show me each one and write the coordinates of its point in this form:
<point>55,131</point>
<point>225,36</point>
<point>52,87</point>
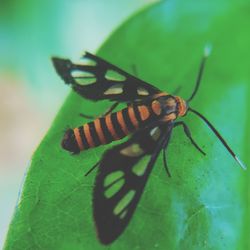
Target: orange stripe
<point>78,138</point>
<point>99,131</point>
<point>144,112</point>
<point>88,135</point>
<point>132,116</point>
<point>111,127</point>
<point>122,122</point>
<point>156,107</point>
<point>182,106</point>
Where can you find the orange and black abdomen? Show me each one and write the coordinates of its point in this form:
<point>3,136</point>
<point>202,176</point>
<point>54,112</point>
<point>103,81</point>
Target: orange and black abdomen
<point>103,130</point>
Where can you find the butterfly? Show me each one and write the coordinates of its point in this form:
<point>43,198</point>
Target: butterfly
<point>149,119</point>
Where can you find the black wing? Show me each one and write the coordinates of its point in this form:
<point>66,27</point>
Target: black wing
<point>122,175</point>
<point>96,79</point>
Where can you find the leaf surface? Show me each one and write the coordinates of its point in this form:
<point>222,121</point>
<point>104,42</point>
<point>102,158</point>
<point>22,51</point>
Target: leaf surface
<point>204,204</point>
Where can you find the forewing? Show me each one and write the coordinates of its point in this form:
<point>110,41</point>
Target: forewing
<point>96,79</point>
<point>122,175</point>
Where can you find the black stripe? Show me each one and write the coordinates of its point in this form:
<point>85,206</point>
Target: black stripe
<point>83,137</point>
<point>137,114</point>
<point>117,126</point>
<point>152,115</point>
<point>105,130</point>
<point>127,120</point>
<point>94,134</point>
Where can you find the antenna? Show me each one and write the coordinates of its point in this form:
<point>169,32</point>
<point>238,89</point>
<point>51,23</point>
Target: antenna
<point>219,137</point>
<point>207,51</point>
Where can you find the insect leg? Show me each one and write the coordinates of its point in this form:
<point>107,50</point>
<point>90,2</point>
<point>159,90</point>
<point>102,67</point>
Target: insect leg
<point>91,169</point>
<point>108,111</point>
<point>134,70</point>
<point>177,90</point>
<point>165,161</point>
<point>188,134</point>
<point>87,116</point>
<point>164,149</point>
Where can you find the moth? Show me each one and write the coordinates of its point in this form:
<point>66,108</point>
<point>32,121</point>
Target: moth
<point>149,118</point>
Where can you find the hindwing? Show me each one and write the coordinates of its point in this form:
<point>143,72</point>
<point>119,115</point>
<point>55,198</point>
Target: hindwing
<point>121,178</point>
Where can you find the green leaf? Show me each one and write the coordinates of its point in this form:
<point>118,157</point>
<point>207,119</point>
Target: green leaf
<point>203,205</point>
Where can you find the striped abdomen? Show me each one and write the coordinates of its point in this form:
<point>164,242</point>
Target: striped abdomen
<point>110,128</point>
<point>106,129</point>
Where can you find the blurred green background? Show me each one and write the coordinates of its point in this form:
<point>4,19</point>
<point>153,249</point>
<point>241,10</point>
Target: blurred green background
<point>205,204</point>
<point>31,31</point>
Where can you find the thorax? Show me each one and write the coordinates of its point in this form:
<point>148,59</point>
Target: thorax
<point>163,107</point>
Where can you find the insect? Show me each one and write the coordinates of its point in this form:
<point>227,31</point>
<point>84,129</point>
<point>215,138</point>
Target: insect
<point>150,117</point>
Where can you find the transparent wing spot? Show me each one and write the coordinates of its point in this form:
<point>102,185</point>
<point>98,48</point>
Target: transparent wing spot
<point>114,188</point>
<point>124,202</point>
<point>123,214</point>
<point>86,62</point>
<point>112,177</point>
<point>142,91</point>
<point>85,81</point>
<point>114,90</point>
<point>113,75</point>
<point>140,168</point>
<point>82,77</point>
<point>155,133</point>
<point>81,74</point>
<point>133,150</point>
